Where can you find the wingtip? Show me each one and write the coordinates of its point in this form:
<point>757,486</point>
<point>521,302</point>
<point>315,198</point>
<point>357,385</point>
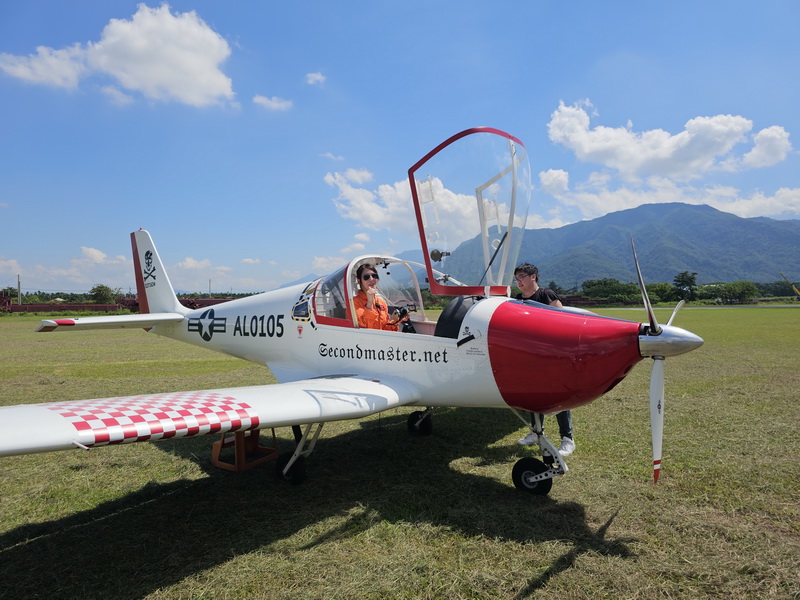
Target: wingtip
<point>656,470</point>
<point>51,325</point>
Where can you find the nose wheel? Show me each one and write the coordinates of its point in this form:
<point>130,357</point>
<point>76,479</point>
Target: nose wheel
<point>533,476</point>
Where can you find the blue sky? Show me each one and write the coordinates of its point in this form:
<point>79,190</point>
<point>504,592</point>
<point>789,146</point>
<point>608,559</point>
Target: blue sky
<point>261,141</point>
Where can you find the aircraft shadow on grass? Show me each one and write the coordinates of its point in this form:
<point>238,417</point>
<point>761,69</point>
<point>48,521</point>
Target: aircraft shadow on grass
<point>163,533</point>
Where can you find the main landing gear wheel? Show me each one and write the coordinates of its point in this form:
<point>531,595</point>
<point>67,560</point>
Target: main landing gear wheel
<point>523,473</point>
<point>417,426</point>
<point>296,474</point>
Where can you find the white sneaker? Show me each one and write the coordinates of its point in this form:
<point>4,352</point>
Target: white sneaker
<point>567,446</point>
<point>529,440</point>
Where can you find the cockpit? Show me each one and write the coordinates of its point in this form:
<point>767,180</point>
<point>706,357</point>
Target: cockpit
<point>400,289</point>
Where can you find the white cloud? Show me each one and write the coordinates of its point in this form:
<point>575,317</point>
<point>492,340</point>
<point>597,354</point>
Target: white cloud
<point>116,96</point>
<point>273,103</point>
<point>326,264</point>
<point>251,261</point>
<point>192,275</point>
<point>192,264</point>
<point>785,202</point>
<point>353,248</point>
<point>361,237</point>
<point>702,146</point>
<point>331,156</point>
<point>597,198</point>
<point>358,176</point>
<point>59,68</point>
<point>390,208</point>
<point>164,56</point>
<point>93,255</point>
<point>315,78</point>
<point>93,266</point>
<point>596,180</point>
<point>554,181</point>
<point>540,222</point>
<point>656,166</point>
<point>9,268</point>
<point>387,208</point>
<point>771,147</point>
<point>161,55</point>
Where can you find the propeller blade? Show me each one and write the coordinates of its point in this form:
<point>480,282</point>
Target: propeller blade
<point>675,312</point>
<point>655,328</point>
<point>657,412</point>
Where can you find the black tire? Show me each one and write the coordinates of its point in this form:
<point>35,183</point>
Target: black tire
<point>417,427</point>
<point>297,474</point>
<point>524,469</point>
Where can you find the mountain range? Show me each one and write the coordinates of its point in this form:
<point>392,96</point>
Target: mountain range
<point>670,238</point>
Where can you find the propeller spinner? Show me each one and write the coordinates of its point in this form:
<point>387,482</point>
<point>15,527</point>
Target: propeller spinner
<point>659,342</point>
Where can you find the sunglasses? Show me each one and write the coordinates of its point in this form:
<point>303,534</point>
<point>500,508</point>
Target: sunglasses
<point>369,276</point>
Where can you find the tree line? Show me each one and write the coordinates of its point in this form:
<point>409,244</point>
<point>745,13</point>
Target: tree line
<point>99,294</point>
<point>611,291</point>
<point>683,287</point>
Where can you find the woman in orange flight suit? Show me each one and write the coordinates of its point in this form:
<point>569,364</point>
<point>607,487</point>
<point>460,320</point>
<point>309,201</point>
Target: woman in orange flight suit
<point>371,309</point>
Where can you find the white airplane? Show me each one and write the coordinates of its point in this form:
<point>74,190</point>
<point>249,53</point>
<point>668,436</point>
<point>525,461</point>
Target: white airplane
<point>470,196</point>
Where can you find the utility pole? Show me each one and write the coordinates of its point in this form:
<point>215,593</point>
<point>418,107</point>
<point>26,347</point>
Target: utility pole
<point>19,291</point>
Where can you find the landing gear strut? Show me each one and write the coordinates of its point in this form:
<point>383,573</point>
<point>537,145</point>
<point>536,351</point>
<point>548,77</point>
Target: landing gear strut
<point>292,468</point>
<point>531,474</point>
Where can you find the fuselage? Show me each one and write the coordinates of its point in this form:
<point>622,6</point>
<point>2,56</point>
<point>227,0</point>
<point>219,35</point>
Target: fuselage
<point>506,353</point>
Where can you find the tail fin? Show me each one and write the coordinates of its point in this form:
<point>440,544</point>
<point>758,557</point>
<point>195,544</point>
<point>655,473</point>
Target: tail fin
<point>152,283</point>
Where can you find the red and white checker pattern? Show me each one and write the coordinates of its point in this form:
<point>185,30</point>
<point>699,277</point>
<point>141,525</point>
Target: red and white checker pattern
<point>154,417</point>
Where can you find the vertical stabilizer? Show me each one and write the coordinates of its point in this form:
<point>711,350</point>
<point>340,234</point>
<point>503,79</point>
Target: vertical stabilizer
<point>152,283</point>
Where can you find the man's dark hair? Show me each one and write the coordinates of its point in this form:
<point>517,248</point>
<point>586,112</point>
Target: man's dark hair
<point>528,269</point>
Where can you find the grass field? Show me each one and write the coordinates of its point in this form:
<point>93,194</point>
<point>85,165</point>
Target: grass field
<point>384,515</point>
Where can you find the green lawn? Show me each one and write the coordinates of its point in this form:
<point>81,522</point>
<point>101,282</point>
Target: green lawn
<point>385,515</point>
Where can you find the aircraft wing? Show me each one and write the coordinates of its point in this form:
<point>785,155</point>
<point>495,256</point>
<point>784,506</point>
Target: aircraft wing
<point>29,428</point>
<point>113,322</point>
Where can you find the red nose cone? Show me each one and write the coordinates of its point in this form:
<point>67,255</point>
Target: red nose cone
<point>548,360</point>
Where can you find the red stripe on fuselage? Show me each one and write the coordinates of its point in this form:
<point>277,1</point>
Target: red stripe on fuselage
<point>548,360</point>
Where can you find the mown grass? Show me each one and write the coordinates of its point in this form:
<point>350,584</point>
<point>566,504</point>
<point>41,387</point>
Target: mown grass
<point>384,515</point>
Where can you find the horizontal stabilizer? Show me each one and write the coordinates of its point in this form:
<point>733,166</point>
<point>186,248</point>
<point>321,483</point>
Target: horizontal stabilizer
<point>113,322</point>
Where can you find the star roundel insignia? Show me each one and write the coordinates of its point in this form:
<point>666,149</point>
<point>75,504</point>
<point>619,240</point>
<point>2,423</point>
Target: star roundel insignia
<point>208,324</point>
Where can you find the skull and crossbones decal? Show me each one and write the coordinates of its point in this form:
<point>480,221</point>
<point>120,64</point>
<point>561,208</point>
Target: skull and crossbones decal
<point>149,269</point>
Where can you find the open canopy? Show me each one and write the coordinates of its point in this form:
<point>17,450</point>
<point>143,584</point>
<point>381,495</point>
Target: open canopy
<point>471,196</point>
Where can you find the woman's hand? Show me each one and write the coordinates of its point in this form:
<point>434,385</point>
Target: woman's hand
<point>371,293</point>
